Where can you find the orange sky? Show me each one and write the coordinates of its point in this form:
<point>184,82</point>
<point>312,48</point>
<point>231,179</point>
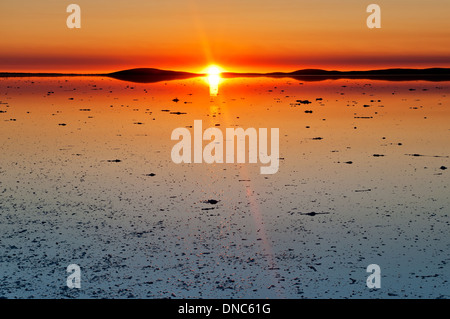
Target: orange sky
<point>263,35</point>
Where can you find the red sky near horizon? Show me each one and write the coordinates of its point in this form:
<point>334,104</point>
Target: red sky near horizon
<point>263,35</point>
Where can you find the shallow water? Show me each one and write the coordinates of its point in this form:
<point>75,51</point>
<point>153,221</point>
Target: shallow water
<point>86,178</point>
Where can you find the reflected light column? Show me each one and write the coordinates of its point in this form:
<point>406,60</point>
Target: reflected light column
<point>213,81</point>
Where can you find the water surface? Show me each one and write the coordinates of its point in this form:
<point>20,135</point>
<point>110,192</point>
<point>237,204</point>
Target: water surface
<point>86,177</point>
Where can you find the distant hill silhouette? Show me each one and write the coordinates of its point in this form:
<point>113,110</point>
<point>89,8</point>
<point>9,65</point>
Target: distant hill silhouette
<point>431,74</point>
<point>140,75</point>
<point>150,75</point>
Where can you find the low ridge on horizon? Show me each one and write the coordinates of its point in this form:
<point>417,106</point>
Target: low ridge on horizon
<point>312,71</point>
<point>149,75</point>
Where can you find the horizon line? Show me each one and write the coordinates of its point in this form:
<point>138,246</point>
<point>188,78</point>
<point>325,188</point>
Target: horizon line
<point>225,72</point>
<point>152,75</point>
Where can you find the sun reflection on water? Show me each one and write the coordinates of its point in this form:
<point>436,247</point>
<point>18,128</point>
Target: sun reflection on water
<point>213,81</point>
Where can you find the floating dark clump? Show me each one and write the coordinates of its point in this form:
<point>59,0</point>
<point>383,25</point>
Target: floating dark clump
<point>349,162</point>
<point>443,168</point>
<point>304,101</point>
<point>378,155</point>
<point>308,111</point>
<point>62,124</point>
<point>176,100</point>
<point>211,201</point>
<point>177,113</point>
<point>151,174</point>
<point>115,161</point>
<point>313,214</point>
<point>415,155</point>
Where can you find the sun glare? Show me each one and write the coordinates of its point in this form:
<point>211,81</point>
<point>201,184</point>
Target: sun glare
<point>213,70</point>
<point>213,78</point>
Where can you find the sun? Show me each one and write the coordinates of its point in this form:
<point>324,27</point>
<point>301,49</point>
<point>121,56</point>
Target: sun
<point>213,70</point>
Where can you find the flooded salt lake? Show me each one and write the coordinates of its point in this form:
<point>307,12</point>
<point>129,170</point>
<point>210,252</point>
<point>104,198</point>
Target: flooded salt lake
<point>87,178</point>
